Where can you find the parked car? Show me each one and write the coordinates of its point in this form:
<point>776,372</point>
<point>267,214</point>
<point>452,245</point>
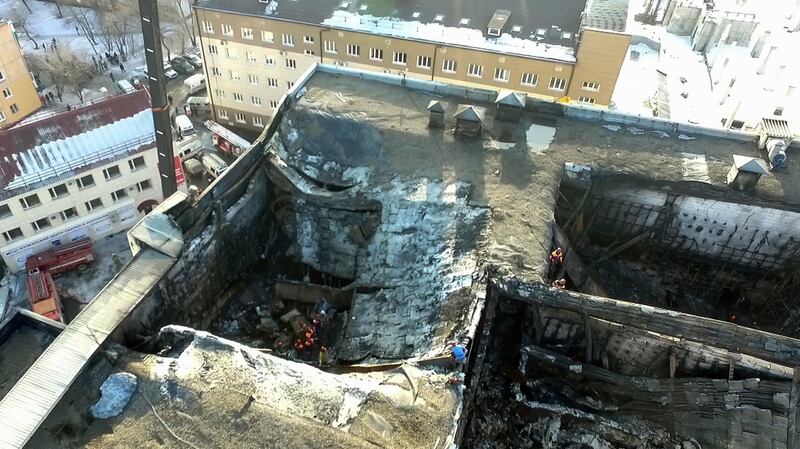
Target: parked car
<point>139,81</point>
<point>194,60</point>
<point>182,66</point>
<point>169,72</point>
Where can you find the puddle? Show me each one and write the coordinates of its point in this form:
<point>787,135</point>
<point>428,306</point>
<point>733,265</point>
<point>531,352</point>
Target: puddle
<point>539,137</point>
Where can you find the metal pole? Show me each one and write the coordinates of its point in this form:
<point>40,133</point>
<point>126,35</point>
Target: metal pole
<point>151,31</point>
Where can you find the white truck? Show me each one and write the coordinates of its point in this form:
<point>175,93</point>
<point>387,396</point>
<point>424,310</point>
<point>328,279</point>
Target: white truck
<point>214,164</point>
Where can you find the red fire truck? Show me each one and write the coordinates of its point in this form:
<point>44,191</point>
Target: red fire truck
<point>41,267</point>
<point>226,140</point>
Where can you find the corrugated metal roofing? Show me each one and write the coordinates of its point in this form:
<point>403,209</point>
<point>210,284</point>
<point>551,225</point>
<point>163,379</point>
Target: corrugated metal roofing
<point>32,399</point>
<point>45,148</point>
<point>611,15</point>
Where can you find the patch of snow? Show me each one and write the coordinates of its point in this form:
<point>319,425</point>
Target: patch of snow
<point>635,91</point>
<point>497,145</point>
<point>292,136</point>
<point>662,134</point>
<point>357,175</point>
<point>685,137</point>
<point>539,137</point>
<point>695,167</point>
<point>613,128</point>
<point>271,8</point>
<point>116,393</point>
<point>389,26</point>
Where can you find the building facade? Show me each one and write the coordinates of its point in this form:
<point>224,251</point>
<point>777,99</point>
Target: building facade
<point>254,52</point>
<point>19,97</point>
<point>90,172</point>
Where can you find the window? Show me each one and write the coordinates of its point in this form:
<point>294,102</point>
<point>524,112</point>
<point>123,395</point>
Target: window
<point>449,66</point>
<point>230,53</point>
<point>222,113</point>
<point>400,58</point>
<point>475,70</point>
<point>253,79</point>
<point>144,185</point>
<point>778,111</point>
<point>309,52</point>
<point>464,21</point>
<point>376,54</point>
<point>353,50</point>
<point>291,63</point>
<point>257,121</point>
<point>58,191</point>
<point>30,201</point>
<point>267,36</point>
<point>288,40</point>
<point>111,172</point>
<point>2,117</point>
<point>308,39</point>
<point>438,18</point>
<point>136,163</point>
<point>227,30</point>
<point>330,47</point>
<point>7,92</point>
<point>566,35</point>
<point>424,62</point>
<point>2,77</point>
<point>5,211</point>
<point>219,93</point>
<point>208,27</point>
<point>289,84</point>
<point>119,194</point>
<point>557,83</point>
<point>85,181</point>
<point>66,214</point>
<point>273,104</point>
<point>14,108</point>
<point>237,96</point>
<point>529,79</point>
<point>234,75</point>
<point>213,50</point>
<point>216,71</point>
<point>272,82</point>
<point>589,100</point>
<point>42,223</point>
<point>589,85</point>
<point>247,33</point>
<point>250,56</point>
<point>240,117</point>
<point>269,60</point>
<point>12,234</point>
<point>501,74</point>
<point>96,203</point>
<point>256,101</point>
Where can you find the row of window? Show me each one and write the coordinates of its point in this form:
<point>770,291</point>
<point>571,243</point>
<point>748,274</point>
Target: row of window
<point>61,190</point>
<point>220,94</point>
<point>72,212</point>
<point>401,58</point>
<point>240,117</point>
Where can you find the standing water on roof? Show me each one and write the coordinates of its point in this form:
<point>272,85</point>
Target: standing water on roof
<point>539,137</point>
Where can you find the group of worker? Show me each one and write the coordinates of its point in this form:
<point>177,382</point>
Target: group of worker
<point>555,266</point>
<point>310,340</point>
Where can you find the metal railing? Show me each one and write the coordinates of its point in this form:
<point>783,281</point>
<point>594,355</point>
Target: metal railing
<point>74,167</point>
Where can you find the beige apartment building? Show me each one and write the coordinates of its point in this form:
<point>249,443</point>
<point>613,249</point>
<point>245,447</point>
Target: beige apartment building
<point>571,50</point>
<point>19,97</point>
<point>90,172</point>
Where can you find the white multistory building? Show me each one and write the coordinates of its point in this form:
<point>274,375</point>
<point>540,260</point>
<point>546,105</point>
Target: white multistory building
<point>88,172</point>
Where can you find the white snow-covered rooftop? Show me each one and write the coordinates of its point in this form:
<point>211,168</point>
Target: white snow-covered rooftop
<point>457,36</point>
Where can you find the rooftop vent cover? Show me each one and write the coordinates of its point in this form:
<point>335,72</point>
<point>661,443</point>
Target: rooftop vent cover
<point>498,22</point>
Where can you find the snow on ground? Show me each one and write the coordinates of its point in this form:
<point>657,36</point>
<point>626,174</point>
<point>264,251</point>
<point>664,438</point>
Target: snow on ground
<point>637,84</point>
<point>687,74</point>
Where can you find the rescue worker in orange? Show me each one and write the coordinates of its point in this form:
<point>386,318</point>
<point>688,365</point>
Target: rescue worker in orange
<point>556,260</point>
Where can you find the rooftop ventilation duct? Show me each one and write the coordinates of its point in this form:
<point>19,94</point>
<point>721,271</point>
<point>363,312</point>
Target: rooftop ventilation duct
<point>774,136</point>
<point>469,120</point>
<point>498,22</point>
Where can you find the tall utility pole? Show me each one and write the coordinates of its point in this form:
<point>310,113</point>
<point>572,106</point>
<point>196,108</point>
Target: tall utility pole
<point>151,30</point>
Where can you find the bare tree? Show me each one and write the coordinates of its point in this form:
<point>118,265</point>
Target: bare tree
<point>173,25</point>
<point>25,2</point>
<point>66,69</point>
<point>188,22</point>
<point>119,27</point>
<point>20,19</point>
<point>84,20</point>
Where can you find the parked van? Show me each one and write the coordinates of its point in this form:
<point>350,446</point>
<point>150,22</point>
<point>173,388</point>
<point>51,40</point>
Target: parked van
<point>193,167</point>
<point>214,164</point>
<point>184,125</point>
<point>125,86</point>
<point>195,83</point>
<point>200,106</point>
